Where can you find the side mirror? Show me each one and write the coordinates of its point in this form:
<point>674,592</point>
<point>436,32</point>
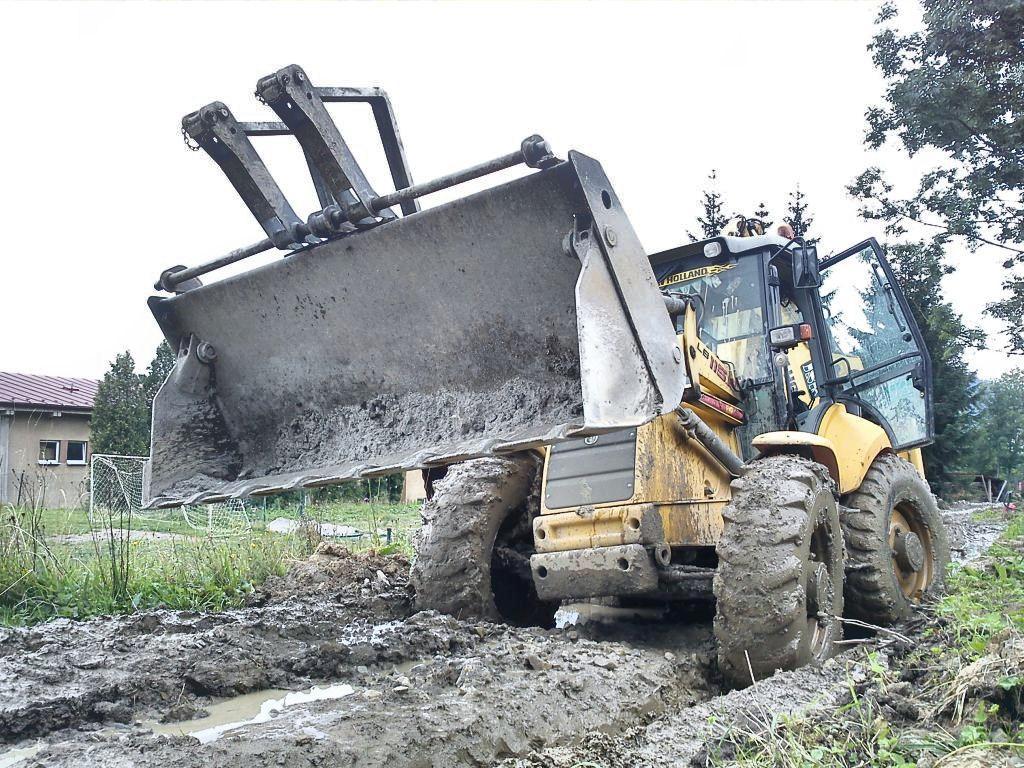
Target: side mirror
<point>805,267</point>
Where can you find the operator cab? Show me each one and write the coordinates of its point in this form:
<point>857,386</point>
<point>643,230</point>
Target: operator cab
<point>800,333</point>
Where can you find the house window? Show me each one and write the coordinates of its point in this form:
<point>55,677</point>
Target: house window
<point>77,451</point>
<point>49,451</point>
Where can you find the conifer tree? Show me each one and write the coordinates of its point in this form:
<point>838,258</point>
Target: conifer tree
<point>714,219</point>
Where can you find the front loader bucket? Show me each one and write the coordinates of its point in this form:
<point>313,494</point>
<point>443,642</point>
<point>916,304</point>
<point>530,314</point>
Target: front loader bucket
<point>515,317</point>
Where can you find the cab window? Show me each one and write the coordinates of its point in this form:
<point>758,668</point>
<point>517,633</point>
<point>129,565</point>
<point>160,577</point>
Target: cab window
<point>730,312</point>
<point>875,352</point>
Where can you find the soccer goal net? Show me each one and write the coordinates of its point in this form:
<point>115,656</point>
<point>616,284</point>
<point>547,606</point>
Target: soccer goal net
<point>115,500</point>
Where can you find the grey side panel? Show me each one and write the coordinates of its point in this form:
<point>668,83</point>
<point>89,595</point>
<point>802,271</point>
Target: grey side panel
<point>593,470</point>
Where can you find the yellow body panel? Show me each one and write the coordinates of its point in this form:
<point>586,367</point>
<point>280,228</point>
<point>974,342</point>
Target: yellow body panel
<point>845,444</point>
<point>675,475</point>
<point>694,523</point>
<point>708,372</point>
<point>821,448</point>
<point>914,457</point>
<point>605,527</point>
<point>857,443</point>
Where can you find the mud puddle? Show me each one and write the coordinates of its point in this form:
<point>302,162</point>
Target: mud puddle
<point>18,755</point>
<point>247,709</point>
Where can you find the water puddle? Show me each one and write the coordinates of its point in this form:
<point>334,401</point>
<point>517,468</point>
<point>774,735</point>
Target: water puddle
<point>405,667</point>
<point>15,756</point>
<point>248,709</point>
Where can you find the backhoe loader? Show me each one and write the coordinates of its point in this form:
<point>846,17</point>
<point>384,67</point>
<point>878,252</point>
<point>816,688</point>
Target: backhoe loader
<point>734,421</point>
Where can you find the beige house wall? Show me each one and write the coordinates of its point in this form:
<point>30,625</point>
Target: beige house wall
<point>413,489</point>
<point>49,485</point>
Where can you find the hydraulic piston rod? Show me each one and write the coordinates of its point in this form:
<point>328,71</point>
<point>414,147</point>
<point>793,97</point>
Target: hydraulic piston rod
<point>171,278</point>
<point>533,152</point>
<point>693,426</point>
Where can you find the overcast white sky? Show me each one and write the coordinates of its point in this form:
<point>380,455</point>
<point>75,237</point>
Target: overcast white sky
<point>99,194</point>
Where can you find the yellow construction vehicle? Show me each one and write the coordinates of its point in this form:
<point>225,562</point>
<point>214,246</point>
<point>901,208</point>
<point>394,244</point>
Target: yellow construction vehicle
<point>732,421</point>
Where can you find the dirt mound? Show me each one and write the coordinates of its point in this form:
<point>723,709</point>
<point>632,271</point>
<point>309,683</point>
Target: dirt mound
<point>336,573</point>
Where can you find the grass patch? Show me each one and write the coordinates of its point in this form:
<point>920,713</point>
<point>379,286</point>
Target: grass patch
<point>955,696</point>
<point>114,568</point>
<point>982,602</point>
<point>189,573</point>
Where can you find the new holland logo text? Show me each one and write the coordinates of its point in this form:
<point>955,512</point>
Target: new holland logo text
<point>693,274</point>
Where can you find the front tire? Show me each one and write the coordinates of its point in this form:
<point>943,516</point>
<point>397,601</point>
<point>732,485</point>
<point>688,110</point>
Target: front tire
<point>779,583</point>
<point>896,541</point>
<point>472,553</point>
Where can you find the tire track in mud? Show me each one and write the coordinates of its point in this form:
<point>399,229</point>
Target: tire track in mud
<point>682,737</point>
<point>480,693</point>
<point>429,689</point>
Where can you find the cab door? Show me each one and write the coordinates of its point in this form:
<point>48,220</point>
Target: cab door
<point>876,355</point>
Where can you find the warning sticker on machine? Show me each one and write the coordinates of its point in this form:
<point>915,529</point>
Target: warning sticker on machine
<point>808,371</point>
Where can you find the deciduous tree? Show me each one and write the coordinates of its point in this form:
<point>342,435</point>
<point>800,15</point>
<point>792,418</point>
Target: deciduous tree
<point>159,368</point>
<point>999,449</point>
<point>955,87</point>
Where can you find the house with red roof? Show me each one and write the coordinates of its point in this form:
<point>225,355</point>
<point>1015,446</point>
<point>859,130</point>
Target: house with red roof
<point>44,439</point>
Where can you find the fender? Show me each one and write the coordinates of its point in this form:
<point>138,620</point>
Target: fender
<point>845,444</point>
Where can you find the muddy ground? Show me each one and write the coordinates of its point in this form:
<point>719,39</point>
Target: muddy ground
<point>404,688</point>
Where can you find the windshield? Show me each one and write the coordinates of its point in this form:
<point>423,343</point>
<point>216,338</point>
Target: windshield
<point>730,312</point>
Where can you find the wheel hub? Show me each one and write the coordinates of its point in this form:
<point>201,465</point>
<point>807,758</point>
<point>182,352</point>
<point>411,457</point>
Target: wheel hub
<point>909,551</point>
<point>819,590</point>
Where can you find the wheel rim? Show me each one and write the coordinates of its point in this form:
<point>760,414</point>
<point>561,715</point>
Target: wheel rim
<point>512,590</point>
<point>910,544</point>
<point>820,591</point>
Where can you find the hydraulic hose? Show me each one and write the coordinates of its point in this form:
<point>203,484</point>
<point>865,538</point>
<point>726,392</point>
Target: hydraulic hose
<point>695,427</point>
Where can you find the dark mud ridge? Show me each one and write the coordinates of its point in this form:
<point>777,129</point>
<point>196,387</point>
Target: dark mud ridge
<point>409,689</point>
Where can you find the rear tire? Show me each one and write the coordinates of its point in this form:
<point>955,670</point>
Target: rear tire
<point>780,571</point>
<point>882,583</point>
<point>472,553</point>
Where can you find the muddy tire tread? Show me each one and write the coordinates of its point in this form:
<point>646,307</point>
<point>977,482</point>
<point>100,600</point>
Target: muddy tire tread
<point>759,579</point>
<point>872,594</point>
<point>451,570</point>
